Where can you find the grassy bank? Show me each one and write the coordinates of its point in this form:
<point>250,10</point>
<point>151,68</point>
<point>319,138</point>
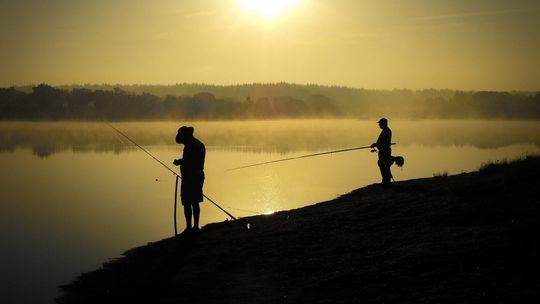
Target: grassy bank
<point>468,238</point>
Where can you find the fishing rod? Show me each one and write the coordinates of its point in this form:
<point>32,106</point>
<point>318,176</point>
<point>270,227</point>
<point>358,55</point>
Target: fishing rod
<point>246,226</point>
<point>303,156</point>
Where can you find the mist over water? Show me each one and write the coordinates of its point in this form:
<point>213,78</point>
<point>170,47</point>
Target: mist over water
<point>267,136</point>
<point>76,194</point>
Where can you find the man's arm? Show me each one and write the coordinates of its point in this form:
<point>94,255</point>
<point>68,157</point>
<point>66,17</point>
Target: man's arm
<point>377,143</point>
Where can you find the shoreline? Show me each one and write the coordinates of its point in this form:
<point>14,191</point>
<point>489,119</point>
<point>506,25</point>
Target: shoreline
<point>460,238</point>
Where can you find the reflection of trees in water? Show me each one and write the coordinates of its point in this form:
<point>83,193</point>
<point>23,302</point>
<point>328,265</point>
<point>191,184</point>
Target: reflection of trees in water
<point>487,134</point>
<point>43,151</point>
<point>284,136</point>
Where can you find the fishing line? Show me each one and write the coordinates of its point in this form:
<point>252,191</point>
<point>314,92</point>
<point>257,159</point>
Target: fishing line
<point>247,210</point>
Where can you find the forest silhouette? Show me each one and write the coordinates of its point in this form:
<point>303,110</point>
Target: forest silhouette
<point>257,101</point>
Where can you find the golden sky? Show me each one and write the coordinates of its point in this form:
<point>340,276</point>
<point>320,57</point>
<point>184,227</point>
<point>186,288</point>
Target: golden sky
<point>374,44</point>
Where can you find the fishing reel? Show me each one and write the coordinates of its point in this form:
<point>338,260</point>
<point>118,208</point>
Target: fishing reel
<point>373,150</point>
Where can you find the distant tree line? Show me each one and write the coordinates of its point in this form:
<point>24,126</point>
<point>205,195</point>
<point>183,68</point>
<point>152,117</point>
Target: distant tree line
<point>257,101</point>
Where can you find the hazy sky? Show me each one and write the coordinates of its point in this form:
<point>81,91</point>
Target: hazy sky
<point>458,44</point>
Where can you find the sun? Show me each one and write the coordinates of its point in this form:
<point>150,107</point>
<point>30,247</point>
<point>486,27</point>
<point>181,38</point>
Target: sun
<point>267,9</point>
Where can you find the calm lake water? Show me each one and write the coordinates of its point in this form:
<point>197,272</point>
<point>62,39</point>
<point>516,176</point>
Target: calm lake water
<point>74,195</point>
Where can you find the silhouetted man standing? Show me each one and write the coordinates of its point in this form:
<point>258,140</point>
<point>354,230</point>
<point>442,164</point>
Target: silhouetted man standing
<point>192,172</point>
<point>383,144</point>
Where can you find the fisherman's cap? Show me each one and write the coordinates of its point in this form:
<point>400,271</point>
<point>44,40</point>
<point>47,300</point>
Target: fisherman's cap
<point>185,131</point>
<point>383,120</point>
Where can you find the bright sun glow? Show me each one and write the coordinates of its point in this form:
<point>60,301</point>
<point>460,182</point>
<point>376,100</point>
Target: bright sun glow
<point>268,9</point>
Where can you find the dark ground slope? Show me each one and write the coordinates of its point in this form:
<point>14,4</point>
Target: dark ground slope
<point>470,238</point>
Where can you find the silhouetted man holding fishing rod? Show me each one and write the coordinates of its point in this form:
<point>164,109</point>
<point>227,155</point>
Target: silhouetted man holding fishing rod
<point>383,145</point>
<point>192,172</point>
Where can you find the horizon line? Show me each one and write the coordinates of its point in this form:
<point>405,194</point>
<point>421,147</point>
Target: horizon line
<point>266,84</point>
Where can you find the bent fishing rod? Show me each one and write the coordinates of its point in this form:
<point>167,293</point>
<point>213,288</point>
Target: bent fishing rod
<point>303,156</point>
<point>246,226</point>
